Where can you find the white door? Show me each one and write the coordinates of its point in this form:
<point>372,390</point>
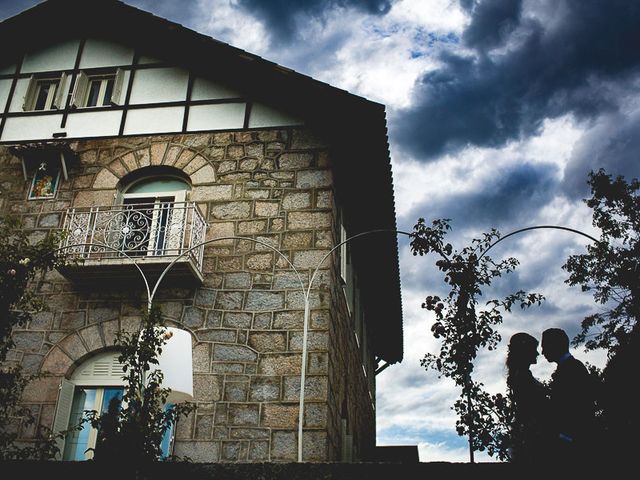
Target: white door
<point>153,224</point>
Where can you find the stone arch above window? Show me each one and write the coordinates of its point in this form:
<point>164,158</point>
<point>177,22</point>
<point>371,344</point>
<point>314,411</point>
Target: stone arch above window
<point>162,154</point>
<point>80,346</point>
<point>76,347</point>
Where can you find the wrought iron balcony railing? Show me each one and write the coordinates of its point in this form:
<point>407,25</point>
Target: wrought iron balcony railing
<point>150,233</point>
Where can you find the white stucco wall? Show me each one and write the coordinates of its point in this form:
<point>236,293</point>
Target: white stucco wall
<point>103,53</point>
<point>154,120</point>
<point>60,56</point>
<point>216,117</point>
<point>151,85</point>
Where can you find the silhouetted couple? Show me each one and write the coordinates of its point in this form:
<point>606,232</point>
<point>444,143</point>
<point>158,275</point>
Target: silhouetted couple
<point>551,424</point>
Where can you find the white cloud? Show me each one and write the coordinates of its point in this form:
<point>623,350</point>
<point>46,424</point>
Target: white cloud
<point>224,21</point>
<point>378,57</point>
<point>439,16</point>
<point>382,58</point>
<point>473,168</point>
<point>441,452</point>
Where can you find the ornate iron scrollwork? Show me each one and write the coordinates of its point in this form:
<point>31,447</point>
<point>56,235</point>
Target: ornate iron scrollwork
<point>149,229</point>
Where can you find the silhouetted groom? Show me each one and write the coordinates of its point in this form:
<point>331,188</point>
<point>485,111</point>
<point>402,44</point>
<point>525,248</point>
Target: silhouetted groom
<point>572,400</point>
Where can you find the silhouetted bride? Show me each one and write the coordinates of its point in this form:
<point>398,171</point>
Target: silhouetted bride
<point>529,399</point>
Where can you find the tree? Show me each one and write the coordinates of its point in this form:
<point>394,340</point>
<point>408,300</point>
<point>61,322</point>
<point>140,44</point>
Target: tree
<point>20,262</point>
<point>133,432</point>
<point>464,330</point>
<point>610,270</point>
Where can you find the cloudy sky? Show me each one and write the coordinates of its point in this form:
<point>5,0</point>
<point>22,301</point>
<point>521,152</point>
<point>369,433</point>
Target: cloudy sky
<point>497,110</point>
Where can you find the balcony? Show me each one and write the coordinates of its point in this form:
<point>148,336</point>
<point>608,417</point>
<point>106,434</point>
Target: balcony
<point>105,242</point>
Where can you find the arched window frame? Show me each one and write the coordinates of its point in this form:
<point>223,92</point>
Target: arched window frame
<point>165,211</point>
<point>180,195</point>
<point>103,376</point>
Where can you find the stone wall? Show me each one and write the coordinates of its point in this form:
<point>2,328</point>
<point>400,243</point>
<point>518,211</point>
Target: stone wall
<point>274,186</point>
<point>349,397</point>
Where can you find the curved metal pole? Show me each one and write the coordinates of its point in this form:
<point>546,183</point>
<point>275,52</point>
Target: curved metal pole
<point>151,294</point>
<point>260,242</point>
<point>361,234</point>
<point>537,227</point>
<point>102,245</point>
<point>521,230</point>
<point>306,294</point>
<point>305,328</point>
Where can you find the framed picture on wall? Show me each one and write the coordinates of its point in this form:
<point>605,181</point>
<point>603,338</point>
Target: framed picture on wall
<point>45,181</point>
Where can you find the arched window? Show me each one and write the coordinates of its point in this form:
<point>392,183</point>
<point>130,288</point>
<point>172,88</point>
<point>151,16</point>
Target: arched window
<point>93,386</point>
<point>157,187</point>
<point>154,215</point>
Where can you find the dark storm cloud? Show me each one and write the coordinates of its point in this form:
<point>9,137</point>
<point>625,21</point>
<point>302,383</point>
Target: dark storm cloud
<point>504,202</point>
<point>551,68</point>
<point>491,22</point>
<point>280,15</point>
<point>181,11</point>
<point>613,144</point>
<point>504,199</point>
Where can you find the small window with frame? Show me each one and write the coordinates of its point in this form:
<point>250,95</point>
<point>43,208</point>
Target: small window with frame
<point>44,93</point>
<point>100,90</point>
<point>44,184</point>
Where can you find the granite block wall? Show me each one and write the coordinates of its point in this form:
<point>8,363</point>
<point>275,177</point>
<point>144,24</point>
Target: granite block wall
<point>246,319</point>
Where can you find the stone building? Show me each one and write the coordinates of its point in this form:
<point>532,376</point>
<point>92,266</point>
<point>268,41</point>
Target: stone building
<point>127,130</point>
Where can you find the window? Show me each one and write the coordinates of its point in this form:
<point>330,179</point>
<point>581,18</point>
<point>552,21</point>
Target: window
<point>79,443</point>
<point>93,386</point>
<point>45,93</point>
<point>98,90</point>
<point>154,219</point>
<point>345,263</point>
<point>86,399</point>
<point>343,253</point>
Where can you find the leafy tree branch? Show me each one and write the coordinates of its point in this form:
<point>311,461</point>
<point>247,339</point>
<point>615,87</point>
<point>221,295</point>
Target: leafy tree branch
<point>132,431</point>
<point>611,267</point>
<point>464,329</point>
<point>21,261</point>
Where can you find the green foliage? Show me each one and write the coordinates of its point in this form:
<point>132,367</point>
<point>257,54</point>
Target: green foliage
<point>610,268</point>
<point>133,433</point>
<point>492,417</point>
<point>20,262</point>
<point>463,329</point>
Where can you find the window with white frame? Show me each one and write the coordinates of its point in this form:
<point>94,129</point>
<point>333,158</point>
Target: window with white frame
<point>155,216</point>
<point>85,399</point>
<point>45,93</point>
<point>95,385</point>
<point>97,90</point>
<point>346,266</point>
<point>343,252</point>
